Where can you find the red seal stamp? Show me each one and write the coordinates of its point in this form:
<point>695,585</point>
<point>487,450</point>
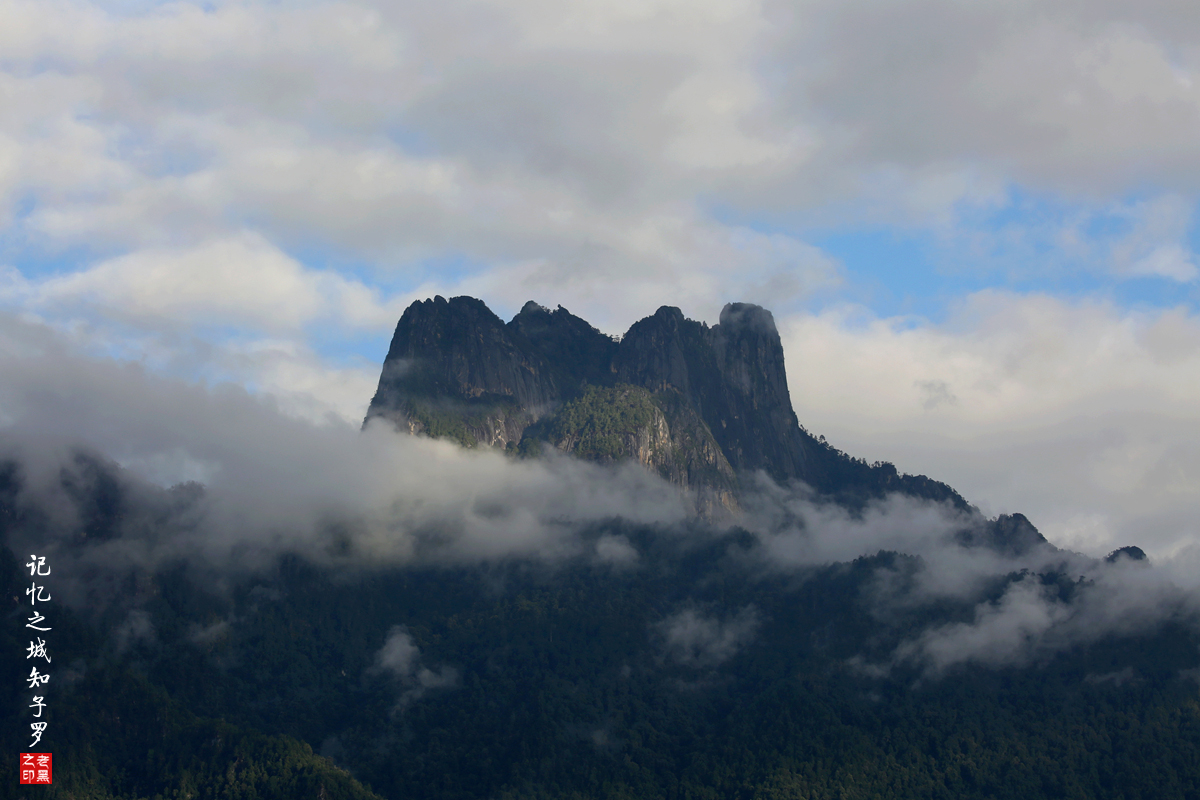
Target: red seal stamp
<point>37,768</point>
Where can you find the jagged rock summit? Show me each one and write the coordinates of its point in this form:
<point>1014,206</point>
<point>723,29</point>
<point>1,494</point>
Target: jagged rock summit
<point>706,407</point>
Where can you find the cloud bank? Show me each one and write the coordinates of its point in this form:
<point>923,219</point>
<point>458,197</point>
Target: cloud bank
<point>1077,414</point>
<point>522,149</point>
<point>274,483</point>
<point>1035,619</point>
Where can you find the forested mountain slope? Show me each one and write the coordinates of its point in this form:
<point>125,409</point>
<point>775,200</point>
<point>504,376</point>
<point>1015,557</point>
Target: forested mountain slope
<point>843,632</point>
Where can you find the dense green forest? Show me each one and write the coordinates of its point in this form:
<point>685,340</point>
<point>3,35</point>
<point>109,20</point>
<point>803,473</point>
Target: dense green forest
<point>568,681</point>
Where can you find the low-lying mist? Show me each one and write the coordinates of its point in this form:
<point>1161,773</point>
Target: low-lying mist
<point>223,480</point>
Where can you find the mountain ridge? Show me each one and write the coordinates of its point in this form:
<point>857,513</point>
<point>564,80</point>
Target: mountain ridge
<point>704,407</point>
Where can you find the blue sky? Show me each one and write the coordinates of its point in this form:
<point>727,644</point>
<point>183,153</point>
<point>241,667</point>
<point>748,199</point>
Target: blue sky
<point>900,271</point>
<point>975,223</point>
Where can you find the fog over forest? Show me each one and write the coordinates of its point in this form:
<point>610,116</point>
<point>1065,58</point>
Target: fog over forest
<point>216,476</point>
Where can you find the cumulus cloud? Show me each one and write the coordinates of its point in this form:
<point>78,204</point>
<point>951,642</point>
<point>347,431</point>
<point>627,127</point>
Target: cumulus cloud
<point>242,280</point>
<point>540,150</point>
<point>1043,98</point>
<point>1077,414</point>
<point>568,141</point>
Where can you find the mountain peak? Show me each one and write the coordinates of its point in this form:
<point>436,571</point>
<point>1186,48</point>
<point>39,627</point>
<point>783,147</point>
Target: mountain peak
<point>749,317</point>
<point>1127,553</point>
<point>716,398</point>
<point>670,314</point>
<point>450,358</point>
<point>533,307</point>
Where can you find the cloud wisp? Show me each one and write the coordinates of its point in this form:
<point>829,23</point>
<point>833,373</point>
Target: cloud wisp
<point>1035,619</point>
<point>400,659</point>
<point>1022,607</point>
<point>693,639</point>
<point>272,482</point>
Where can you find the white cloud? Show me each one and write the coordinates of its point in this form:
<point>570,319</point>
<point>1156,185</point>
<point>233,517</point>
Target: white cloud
<point>1079,415</point>
<point>242,280</point>
<point>586,140</point>
<point>663,100</point>
<point>375,498</point>
<point>796,529</point>
<point>277,482</point>
<point>1156,242</point>
<point>1031,622</point>
<point>1167,261</point>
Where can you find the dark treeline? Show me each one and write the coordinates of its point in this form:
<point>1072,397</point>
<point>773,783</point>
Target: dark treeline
<point>579,681</point>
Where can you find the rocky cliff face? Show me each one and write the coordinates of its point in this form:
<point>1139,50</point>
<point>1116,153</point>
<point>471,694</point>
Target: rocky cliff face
<point>574,350</point>
<point>702,406</point>
<point>734,375</point>
<point>1009,534</point>
<point>459,349</point>
<point>455,370</point>
<point>658,430</point>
